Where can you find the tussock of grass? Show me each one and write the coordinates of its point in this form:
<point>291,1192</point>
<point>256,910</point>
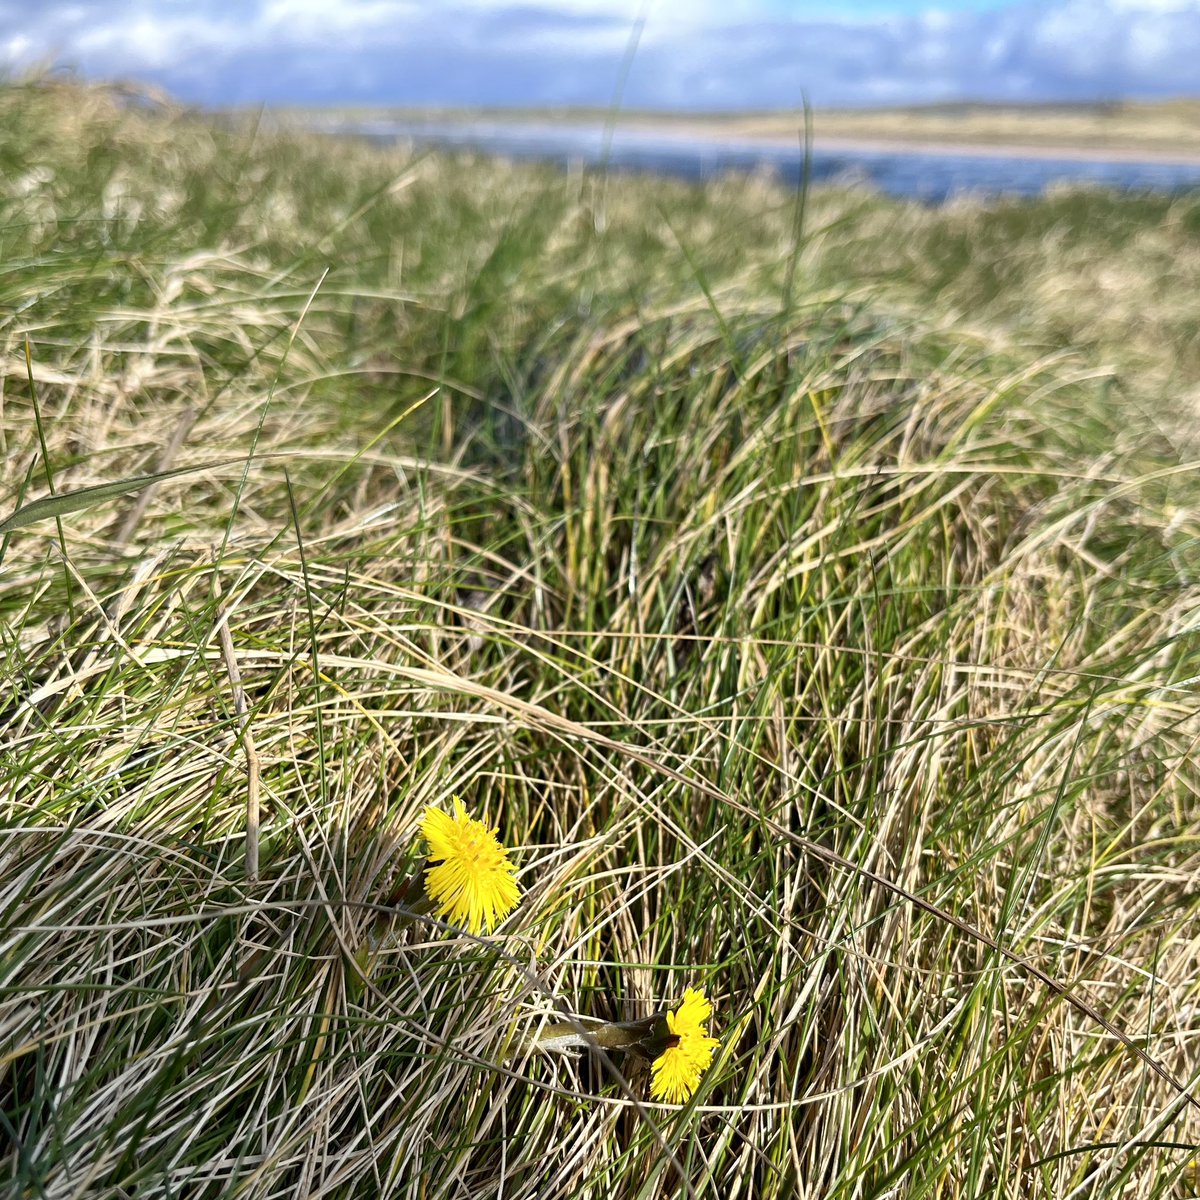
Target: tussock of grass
<point>549,510</point>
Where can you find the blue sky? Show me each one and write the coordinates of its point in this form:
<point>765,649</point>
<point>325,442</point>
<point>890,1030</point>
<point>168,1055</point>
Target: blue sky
<point>693,54</point>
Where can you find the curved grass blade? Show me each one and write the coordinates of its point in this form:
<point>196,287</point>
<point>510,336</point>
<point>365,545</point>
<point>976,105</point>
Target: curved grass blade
<point>60,504</point>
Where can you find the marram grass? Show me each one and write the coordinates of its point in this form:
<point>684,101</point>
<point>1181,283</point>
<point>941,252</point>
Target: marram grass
<point>549,501</point>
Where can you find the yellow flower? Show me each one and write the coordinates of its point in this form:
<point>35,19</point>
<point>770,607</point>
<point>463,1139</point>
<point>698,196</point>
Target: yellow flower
<point>677,1070</point>
<point>474,885</point>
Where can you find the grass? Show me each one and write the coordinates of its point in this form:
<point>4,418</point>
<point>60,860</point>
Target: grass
<point>722,610</point>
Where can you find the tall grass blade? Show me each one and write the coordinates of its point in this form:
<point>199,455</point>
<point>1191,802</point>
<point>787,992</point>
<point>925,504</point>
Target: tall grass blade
<point>62,503</point>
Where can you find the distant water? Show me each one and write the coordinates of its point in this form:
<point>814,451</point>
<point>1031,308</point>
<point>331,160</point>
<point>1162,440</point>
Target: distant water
<point>932,177</point>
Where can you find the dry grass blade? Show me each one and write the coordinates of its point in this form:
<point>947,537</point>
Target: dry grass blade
<point>170,451</point>
<point>244,735</point>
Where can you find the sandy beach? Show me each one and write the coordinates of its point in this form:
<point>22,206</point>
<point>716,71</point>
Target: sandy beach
<point>850,145</point>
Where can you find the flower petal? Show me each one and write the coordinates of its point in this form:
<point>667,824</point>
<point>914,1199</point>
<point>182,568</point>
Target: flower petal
<point>473,886</point>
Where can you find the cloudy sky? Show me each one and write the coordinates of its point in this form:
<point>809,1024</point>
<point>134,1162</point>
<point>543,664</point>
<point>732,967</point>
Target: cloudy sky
<point>700,54</point>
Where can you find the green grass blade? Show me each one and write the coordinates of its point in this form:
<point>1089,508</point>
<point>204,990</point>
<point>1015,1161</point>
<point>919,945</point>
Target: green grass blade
<point>62,503</point>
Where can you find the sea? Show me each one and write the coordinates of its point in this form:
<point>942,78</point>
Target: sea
<point>926,175</point>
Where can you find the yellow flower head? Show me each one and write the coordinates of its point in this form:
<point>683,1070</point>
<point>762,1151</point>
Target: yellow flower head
<point>677,1070</point>
<point>473,885</point>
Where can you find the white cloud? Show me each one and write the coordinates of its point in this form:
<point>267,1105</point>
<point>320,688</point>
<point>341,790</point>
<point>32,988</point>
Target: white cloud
<point>147,44</point>
<point>327,20</point>
<point>1156,6</point>
<point>18,48</point>
<point>700,53</point>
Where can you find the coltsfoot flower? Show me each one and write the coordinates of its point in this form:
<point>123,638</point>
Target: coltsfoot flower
<point>473,884</point>
<point>676,1071</point>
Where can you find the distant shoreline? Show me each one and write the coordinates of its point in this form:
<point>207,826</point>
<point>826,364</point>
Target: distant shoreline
<point>1159,133</point>
<point>870,144</point>
<point>886,145</point>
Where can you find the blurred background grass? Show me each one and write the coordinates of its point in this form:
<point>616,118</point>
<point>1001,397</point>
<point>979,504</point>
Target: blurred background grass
<point>882,524</point>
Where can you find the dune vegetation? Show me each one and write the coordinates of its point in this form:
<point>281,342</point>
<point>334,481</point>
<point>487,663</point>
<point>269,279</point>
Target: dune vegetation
<point>804,588</point>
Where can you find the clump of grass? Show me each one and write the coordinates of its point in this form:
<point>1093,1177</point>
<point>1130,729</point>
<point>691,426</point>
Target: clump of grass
<point>577,523</point>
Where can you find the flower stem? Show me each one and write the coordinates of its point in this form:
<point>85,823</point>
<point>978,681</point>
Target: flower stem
<point>645,1037</point>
